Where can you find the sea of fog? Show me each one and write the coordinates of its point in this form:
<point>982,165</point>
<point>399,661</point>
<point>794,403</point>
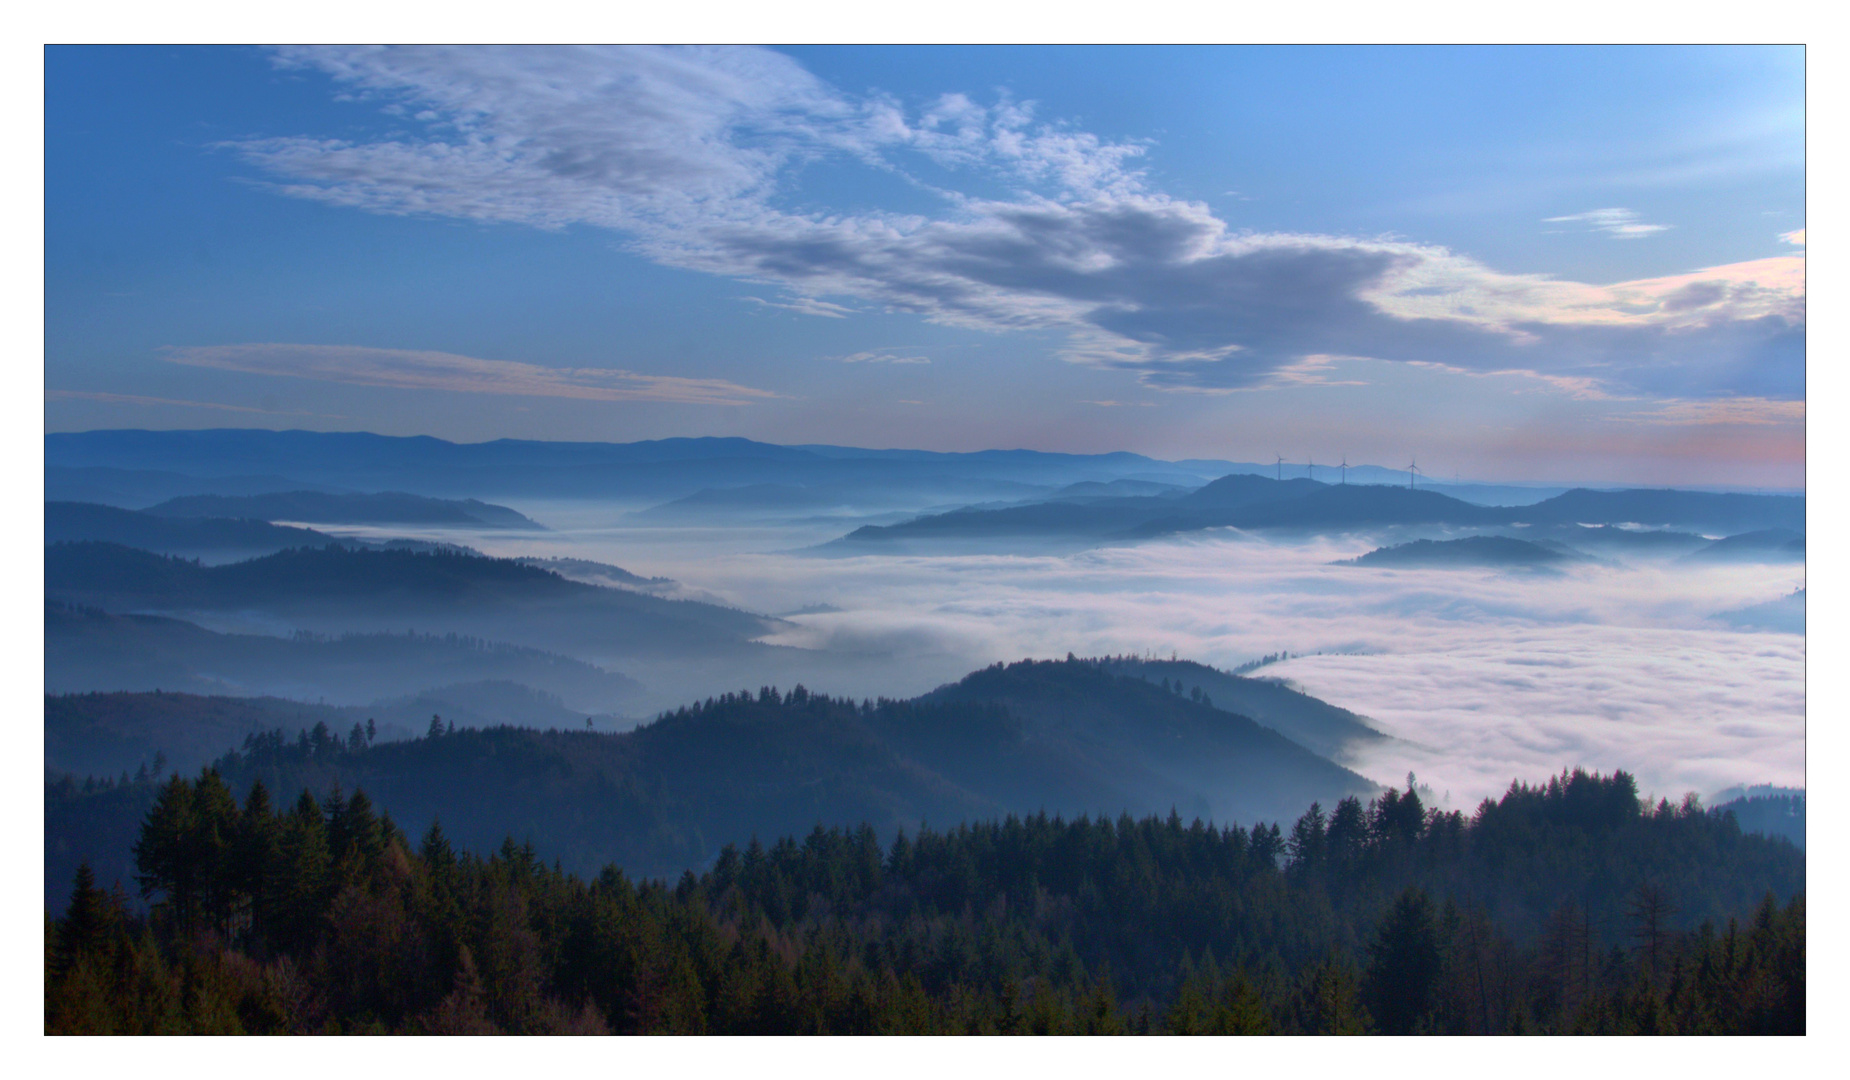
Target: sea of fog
<point>1483,676</point>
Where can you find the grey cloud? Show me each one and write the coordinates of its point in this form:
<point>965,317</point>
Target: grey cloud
<point>1699,294</point>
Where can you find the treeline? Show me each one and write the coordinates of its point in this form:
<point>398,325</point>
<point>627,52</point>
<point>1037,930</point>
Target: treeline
<point>1385,917</point>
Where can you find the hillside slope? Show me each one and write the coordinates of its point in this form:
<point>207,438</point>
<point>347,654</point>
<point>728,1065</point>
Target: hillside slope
<point>347,508</point>
<point>1317,725</point>
<point>1065,738</point>
<point>337,589</point>
<point>87,649</point>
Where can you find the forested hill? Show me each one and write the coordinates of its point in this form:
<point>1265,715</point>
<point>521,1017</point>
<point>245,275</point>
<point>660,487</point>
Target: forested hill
<point>1098,731</point>
<point>1061,737</point>
<point>1566,907</point>
<point>1318,725</point>
<point>1504,552</point>
<point>349,508</point>
<point>666,796</point>
<point>1257,502</point>
<point>75,521</point>
<point>437,591</point>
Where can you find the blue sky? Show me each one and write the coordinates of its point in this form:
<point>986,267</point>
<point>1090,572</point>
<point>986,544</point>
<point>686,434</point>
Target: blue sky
<point>1516,263</point>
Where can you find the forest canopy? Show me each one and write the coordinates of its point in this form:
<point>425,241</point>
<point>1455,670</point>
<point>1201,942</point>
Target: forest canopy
<point>1569,906</point>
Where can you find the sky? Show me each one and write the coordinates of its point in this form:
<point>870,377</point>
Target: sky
<point>1561,264</point>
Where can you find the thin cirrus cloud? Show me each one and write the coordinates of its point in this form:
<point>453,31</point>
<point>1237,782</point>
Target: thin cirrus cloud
<point>1615,221</point>
<point>410,369</point>
<point>689,154</point>
<point>883,356</point>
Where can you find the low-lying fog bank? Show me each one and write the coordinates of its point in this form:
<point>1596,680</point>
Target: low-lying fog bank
<point>1484,675</point>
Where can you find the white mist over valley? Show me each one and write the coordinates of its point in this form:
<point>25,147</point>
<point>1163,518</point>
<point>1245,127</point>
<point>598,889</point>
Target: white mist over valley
<point>1483,676</point>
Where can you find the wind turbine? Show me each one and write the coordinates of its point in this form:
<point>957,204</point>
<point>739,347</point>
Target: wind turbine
<point>1312,466</point>
<point>1281,465</point>
<point>1345,468</point>
<point>1413,470</point>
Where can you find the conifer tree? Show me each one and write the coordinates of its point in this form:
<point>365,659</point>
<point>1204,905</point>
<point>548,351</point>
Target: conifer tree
<point>1403,968</point>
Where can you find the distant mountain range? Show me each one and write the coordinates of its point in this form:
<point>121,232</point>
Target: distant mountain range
<point>137,469</point>
<point>129,463</point>
<point>1259,503</point>
<point>133,487</point>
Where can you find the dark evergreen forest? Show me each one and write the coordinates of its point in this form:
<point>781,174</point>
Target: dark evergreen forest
<point>1571,906</point>
<point>1067,737</point>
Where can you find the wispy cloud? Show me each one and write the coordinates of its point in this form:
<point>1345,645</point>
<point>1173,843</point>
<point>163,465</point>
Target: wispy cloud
<point>1615,221</point>
<point>408,369</point>
<point>802,305</point>
<point>883,356</point>
<point>1796,237</point>
<point>136,399</point>
<point>689,153</point>
<point>1757,412</point>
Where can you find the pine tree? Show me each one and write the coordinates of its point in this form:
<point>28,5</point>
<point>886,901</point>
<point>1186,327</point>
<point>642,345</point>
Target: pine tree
<point>1403,969</point>
<point>89,921</point>
<point>164,862</point>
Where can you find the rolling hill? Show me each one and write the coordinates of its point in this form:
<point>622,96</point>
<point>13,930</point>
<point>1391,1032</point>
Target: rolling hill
<point>335,589</point>
<point>1760,545</point>
<point>217,539</point>
<point>1323,728</point>
<point>1301,505</point>
<point>109,733</point>
<point>347,508</point>
<point>1498,552</point>
<point>1061,737</point>
<point>87,649</point>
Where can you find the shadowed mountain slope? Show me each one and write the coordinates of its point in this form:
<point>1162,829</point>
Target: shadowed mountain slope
<point>68,522</point>
<point>1505,552</point>
<point>1761,545</point>
<point>324,508</point>
<point>106,734</point>
<point>91,650</point>
<point>1066,738</point>
<point>1247,501</point>
<point>1240,501</point>
<point>1324,728</point>
<point>337,588</point>
<point>1785,615</point>
<point>1109,732</point>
